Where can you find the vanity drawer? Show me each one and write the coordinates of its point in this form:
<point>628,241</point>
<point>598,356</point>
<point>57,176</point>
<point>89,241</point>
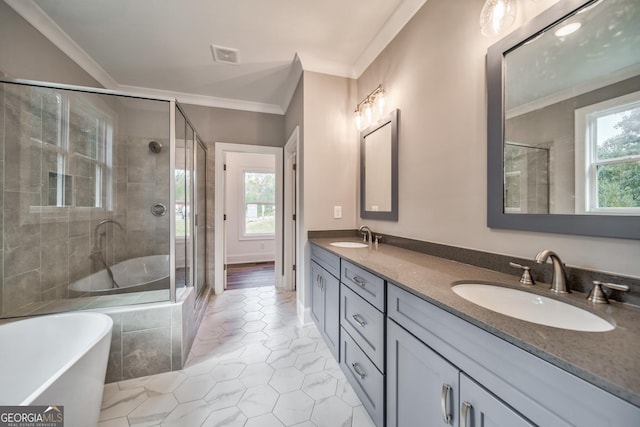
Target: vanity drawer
<point>364,323</point>
<point>367,285</point>
<point>366,380</point>
<point>326,260</point>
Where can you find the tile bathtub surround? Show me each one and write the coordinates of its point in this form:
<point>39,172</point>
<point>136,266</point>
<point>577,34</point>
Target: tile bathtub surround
<point>152,340</point>
<point>251,364</point>
<point>579,279</point>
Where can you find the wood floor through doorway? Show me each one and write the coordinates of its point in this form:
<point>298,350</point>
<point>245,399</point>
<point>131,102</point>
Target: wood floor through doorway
<point>252,275</point>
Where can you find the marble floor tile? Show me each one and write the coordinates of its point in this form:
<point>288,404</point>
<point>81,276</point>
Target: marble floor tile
<point>294,407</point>
<point>228,417</point>
<point>152,411</point>
<point>251,365</point>
<point>268,420</point>
<point>257,374</point>
<point>258,400</point>
<point>320,385</point>
<point>225,394</point>
<point>188,414</point>
<point>287,379</point>
<point>194,388</point>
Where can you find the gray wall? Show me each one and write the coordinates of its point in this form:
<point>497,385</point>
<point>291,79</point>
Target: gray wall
<point>434,72</point>
<point>294,114</point>
<point>27,54</point>
<point>237,127</point>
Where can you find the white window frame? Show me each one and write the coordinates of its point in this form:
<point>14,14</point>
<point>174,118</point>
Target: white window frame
<point>65,152</point>
<point>243,206</point>
<point>586,162</point>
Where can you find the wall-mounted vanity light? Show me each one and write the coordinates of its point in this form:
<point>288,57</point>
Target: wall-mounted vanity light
<point>365,113</point>
<point>497,15</point>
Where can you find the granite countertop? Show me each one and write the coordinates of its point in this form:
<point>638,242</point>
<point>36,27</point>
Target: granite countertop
<point>609,360</point>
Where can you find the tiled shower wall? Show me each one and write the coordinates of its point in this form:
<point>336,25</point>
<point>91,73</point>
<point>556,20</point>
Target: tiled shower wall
<point>44,248</point>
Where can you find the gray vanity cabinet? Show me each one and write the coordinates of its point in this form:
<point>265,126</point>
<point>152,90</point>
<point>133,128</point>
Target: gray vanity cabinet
<point>498,383</point>
<point>325,297</point>
<point>479,408</point>
<point>423,388</point>
<point>362,322</point>
<point>420,383</point>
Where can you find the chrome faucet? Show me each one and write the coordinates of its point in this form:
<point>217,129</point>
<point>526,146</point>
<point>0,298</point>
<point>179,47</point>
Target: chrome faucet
<point>366,234</point>
<point>96,244</point>
<point>96,251</point>
<point>558,279</point>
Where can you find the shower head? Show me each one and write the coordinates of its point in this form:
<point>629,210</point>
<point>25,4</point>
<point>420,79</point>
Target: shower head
<point>155,147</point>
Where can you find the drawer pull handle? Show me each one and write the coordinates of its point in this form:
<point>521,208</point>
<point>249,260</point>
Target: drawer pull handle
<point>464,413</point>
<point>356,369</point>
<point>446,392</point>
<point>359,281</point>
<point>359,320</point>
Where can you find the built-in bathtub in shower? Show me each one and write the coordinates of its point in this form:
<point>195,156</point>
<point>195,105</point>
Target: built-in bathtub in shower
<point>98,207</point>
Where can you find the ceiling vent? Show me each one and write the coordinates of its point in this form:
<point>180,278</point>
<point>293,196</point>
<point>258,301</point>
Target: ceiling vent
<point>225,55</point>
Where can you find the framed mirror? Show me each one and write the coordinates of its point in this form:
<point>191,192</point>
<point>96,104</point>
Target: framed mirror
<point>564,122</point>
<point>379,169</point>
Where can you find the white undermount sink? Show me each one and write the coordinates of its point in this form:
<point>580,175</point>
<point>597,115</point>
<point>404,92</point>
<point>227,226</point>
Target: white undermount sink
<point>531,307</point>
<point>349,244</point>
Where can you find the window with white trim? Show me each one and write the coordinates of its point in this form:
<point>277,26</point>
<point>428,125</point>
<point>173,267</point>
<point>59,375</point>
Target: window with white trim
<point>76,139</point>
<point>259,203</point>
<point>608,157</point>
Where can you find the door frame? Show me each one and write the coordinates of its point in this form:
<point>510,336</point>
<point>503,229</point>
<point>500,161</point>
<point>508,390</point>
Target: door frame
<point>291,277</point>
<point>221,148</point>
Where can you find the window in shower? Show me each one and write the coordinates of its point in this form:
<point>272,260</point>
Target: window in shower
<point>259,203</point>
<point>76,139</point>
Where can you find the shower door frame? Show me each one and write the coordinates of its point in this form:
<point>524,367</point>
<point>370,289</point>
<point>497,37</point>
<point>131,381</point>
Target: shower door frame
<point>171,104</point>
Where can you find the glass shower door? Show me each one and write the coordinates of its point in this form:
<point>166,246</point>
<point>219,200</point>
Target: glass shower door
<point>200,203</point>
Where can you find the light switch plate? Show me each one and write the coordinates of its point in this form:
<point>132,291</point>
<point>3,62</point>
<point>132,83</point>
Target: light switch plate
<point>337,212</point>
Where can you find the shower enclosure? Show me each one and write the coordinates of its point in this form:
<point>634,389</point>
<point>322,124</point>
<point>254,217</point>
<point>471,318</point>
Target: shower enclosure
<point>102,200</point>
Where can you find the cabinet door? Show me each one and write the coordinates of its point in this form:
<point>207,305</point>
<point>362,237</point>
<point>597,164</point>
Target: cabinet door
<point>332,314</point>
<point>480,408</point>
<point>317,296</point>
<point>422,387</point>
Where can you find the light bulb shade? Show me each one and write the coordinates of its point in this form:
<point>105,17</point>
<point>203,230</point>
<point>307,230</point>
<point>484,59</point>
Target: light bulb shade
<point>380,101</point>
<point>496,16</point>
<point>367,113</point>
<point>358,118</point>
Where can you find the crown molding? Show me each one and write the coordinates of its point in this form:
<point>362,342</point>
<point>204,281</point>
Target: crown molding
<point>387,33</point>
<point>32,13</point>
<point>319,65</point>
<point>204,100</point>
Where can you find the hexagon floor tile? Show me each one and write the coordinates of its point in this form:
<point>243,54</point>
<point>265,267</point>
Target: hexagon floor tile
<point>251,364</point>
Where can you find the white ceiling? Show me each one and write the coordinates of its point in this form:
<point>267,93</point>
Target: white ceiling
<point>162,47</point>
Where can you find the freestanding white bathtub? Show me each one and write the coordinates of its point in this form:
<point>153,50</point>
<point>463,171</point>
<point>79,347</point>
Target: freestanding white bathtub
<point>146,273</point>
<point>58,360</point>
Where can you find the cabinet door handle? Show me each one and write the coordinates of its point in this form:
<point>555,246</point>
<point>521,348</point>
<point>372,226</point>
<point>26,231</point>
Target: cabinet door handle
<point>358,281</point>
<point>446,392</point>
<point>359,320</point>
<point>356,369</point>
<point>321,282</point>
<point>464,412</point>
